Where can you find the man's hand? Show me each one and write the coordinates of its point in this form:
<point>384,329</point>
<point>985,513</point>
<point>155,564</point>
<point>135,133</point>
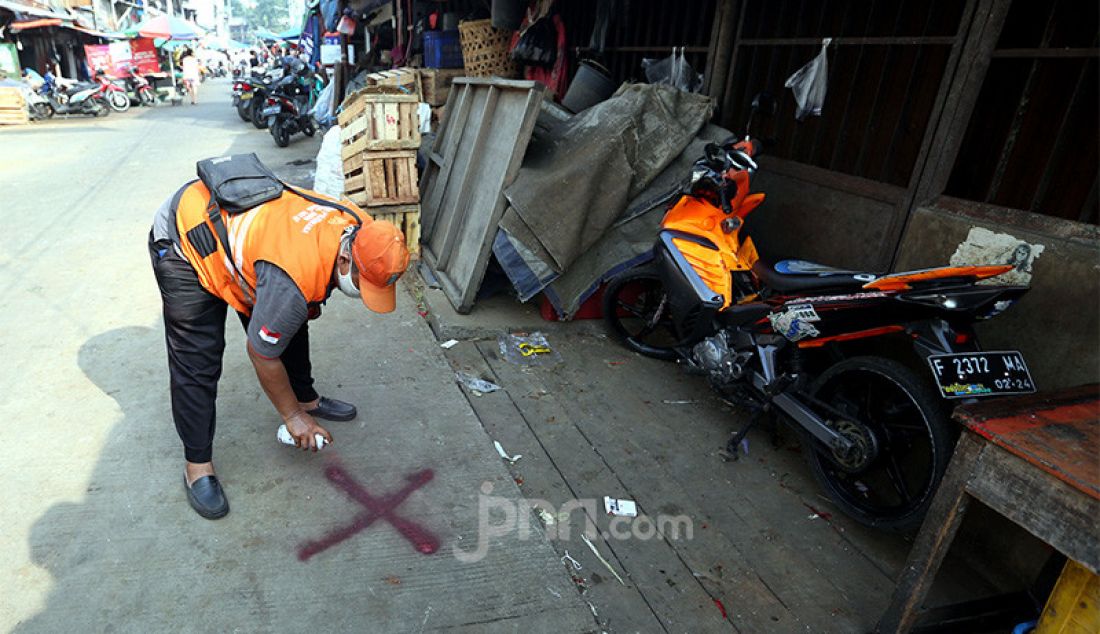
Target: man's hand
<point>274,380</point>
<point>303,429</point>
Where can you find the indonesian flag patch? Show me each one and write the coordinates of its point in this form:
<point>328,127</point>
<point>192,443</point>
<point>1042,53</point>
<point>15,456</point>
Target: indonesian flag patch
<point>269,336</point>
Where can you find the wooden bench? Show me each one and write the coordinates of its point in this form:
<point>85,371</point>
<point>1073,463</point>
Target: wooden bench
<point>1033,459</point>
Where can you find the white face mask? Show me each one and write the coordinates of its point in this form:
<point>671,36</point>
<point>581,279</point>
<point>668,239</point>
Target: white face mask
<point>345,282</point>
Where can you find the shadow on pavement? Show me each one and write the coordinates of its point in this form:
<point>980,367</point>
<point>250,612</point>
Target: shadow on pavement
<point>95,549</point>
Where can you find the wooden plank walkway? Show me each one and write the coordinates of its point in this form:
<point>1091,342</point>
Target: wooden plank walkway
<point>768,553</point>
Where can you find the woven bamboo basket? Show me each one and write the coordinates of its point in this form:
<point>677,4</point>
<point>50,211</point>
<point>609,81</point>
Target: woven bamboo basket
<point>485,50</point>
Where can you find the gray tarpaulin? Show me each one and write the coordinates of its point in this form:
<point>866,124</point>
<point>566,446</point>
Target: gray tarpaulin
<point>578,180</point>
<point>629,241</point>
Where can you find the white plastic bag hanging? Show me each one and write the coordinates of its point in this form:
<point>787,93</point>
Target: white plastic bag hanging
<point>809,83</point>
<point>674,71</point>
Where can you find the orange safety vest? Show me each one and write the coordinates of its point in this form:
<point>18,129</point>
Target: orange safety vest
<point>299,236</point>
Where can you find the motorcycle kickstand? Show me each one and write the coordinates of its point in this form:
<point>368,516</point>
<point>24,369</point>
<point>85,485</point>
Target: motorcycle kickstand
<point>733,445</point>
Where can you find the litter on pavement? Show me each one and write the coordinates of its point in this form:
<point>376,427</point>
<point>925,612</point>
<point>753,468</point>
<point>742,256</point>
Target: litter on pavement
<point>476,385</point>
<point>528,350</point>
<point>504,454</point>
<point>621,508</point>
<point>448,344</point>
<point>603,561</point>
<point>545,516</point>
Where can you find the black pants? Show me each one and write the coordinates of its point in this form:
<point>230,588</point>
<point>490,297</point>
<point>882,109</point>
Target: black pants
<point>194,331</point>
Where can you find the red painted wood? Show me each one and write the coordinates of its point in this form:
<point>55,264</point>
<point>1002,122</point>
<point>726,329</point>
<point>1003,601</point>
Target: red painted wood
<point>1059,432</point>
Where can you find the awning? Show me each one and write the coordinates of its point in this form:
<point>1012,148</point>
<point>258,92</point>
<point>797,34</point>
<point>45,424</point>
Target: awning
<point>34,24</point>
<point>42,23</point>
<point>109,36</point>
<point>19,7</point>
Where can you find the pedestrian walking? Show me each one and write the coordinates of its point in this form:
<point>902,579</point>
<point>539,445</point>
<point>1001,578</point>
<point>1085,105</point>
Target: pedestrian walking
<point>192,74</point>
<point>285,257</point>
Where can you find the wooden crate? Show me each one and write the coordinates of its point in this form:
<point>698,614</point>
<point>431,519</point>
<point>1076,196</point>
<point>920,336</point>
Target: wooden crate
<point>13,109</point>
<point>435,84</point>
<point>406,79</point>
<point>375,179</point>
<point>407,219</point>
<point>379,122</point>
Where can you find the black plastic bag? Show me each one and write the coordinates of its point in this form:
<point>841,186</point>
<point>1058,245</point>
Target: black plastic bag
<point>538,45</point>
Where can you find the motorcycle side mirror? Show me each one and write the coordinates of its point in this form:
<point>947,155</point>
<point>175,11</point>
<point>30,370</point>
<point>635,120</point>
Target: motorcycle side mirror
<point>763,105</point>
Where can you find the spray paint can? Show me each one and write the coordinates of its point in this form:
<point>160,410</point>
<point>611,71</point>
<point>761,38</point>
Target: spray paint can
<point>284,437</point>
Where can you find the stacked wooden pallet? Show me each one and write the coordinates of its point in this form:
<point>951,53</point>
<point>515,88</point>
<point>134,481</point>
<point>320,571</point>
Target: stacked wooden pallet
<point>379,134</point>
<point>13,108</point>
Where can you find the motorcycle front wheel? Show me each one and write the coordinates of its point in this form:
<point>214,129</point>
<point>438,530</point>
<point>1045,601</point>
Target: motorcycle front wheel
<point>890,411</point>
<point>636,310</point>
<point>42,111</point>
<point>118,101</point>
<point>147,97</point>
<point>280,133</point>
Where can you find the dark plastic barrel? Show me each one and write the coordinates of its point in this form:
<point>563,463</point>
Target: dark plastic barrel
<point>591,85</point>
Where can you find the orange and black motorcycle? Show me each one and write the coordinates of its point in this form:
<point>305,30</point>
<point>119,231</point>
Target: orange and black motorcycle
<point>860,363</point>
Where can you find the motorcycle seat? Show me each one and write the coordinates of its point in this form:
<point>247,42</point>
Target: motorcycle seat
<point>788,276</point>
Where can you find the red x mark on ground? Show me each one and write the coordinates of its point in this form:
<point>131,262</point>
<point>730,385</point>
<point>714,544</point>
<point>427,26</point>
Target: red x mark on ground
<point>383,508</point>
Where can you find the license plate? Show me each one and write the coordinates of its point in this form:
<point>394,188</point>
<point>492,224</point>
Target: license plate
<point>970,374</point>
<point>270,110</point>
<point>245,96</point>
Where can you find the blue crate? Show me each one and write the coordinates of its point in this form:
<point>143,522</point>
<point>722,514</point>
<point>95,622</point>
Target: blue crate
<point>442,49</point>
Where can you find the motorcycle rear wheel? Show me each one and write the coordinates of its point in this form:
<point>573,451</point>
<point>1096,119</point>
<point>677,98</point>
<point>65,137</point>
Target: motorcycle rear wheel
<point>911,430</point>
<point>280,133</point>
<point>636,311</point>
<point>258,119</point>
<point>118,101</point>
<point>99,107</point>
<point>147,97</point>
<point>244,111</point>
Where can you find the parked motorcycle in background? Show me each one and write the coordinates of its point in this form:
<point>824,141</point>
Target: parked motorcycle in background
<point>288,106</point>
<point>112,93</point>
<point>77,98</point>
<point>249,94</point>
<point>863,365</point>
<point>139,88</point>
<point>262,84</point>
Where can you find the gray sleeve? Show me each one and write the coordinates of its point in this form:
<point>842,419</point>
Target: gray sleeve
<point>279,312</point>
<point>164,221</point>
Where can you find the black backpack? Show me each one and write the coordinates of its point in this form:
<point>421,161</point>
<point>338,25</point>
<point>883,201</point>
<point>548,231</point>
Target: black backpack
<point>239,182</point>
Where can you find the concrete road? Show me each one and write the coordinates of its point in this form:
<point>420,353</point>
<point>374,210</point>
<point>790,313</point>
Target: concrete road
<point>95,531</point>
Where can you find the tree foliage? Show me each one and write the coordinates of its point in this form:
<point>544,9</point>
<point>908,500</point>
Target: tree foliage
<point>262,14</point>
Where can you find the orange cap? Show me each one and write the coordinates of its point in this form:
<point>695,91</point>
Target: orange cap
<point>380,255</point>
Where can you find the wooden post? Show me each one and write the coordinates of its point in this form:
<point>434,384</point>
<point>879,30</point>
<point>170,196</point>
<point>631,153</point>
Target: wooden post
<point>963,76</point>
<point>720,49</point>
<point>935,537</point>
<point>725,100</point>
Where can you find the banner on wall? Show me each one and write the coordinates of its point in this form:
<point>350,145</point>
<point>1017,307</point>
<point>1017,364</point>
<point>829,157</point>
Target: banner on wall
<point>117,58</point>
<point>145,55</point>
